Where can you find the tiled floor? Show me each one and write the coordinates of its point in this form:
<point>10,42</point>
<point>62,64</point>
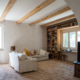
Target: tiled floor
<point>47,70</point>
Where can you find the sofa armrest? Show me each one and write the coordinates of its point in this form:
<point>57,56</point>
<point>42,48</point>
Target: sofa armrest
<point>14,60</point>
<point>47,53</point>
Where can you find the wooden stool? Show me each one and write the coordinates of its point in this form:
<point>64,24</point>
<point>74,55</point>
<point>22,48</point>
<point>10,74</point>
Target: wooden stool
<point>63,57</point>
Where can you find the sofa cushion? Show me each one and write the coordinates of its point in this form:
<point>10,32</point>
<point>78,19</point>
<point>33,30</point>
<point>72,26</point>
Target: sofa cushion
<point>27,52</point>
<point>42,52</point>
<point>37,56</point>
<point>34,52</point>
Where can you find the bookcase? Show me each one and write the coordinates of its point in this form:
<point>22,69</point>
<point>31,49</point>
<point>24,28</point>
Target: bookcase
<point>53,36</point>
<point>52,41</point>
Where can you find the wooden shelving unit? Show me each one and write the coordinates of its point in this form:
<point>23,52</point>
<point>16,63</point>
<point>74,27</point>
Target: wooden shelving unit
<point>52,41</point>
<point>53,37</point>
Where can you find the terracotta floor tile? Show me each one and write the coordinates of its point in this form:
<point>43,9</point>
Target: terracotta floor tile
<point>47,70</point>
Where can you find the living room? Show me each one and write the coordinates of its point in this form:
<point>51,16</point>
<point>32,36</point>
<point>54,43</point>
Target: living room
<point>35,25</point>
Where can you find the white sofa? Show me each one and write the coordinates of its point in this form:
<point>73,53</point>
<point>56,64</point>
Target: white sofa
<point>43,55</point>
<point>22,65</point>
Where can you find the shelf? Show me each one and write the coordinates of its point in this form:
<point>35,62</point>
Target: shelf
<point>53,50</point>
<point>68,51</point>
<point>48,31</point>
<point>54,46</point>
<point>49,50</point>
<point>54,30</point>
<point>48,46</point>
<point>49,39</point>
<point>69,27</point>
<point>54,34</point>
<point>49,35</point>
<point>55,58</point>
<point>53,37</point>
<point>51,53</point>
<point>54,43</point>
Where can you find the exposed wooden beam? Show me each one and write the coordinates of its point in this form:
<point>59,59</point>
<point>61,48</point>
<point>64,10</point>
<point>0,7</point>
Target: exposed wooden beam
<point>77,26</point>
<point>7,9</point>
<point>40,7</point>
<point>59,20</point>
<point>50,16</point>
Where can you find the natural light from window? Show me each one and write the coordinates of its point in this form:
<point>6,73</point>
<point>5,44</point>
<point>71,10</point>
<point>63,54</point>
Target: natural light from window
<point>78,36</point>
<point>0,38</point>
<point>65,40</point>
<point>72,39</point>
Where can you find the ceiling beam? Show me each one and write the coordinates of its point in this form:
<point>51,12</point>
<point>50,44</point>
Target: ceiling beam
<point>37,9</point>
<point>7,9</point>
<point>51,15</point>
<point>59,20</point>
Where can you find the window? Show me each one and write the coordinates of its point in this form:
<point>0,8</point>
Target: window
<point>78,36</point>
<point>70,39</point>
<point>1,37</point>
<point>65,40</point>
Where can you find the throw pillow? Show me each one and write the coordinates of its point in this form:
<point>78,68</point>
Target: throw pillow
<point>42,52</point>
<point>24,53</point>
<point>34,52</point>
<point>22,56</point>
<point>27,52</point>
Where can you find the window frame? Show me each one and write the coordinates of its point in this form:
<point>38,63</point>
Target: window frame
<point>63,40</point>
<point>75,40</point>
<point>74,48</point>
<point>2,36</point>
<point>77,35</point>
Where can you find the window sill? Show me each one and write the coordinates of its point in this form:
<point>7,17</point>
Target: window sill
<point>68,51</point>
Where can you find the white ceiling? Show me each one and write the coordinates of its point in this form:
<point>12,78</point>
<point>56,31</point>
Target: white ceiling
<point>65,14</point>
<point>3,4</point>
<point>23,7</point>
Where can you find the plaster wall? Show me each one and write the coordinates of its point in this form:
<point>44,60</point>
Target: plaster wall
<point>22,36</point>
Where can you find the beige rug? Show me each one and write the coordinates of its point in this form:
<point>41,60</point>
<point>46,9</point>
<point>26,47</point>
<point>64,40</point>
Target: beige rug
<point>47,70</point>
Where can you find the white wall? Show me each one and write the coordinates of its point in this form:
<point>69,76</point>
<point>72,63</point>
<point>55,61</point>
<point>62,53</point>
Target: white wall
<point>75,6</point>
<point>70,56</point>
<point>22,36</point>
